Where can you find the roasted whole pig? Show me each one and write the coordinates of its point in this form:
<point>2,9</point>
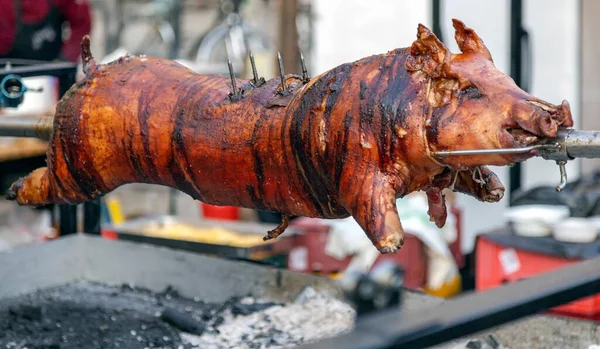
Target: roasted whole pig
<point>348,142</point>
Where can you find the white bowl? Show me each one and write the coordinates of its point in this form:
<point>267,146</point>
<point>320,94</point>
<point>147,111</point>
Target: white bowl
<point>576,230</point>
<point>535,220</point>
<point>596,221</point>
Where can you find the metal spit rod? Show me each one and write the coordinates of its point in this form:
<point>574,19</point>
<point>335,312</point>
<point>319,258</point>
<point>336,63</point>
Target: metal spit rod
<point>21,126</point>
<point>579,144</point>
<point>568,145</point>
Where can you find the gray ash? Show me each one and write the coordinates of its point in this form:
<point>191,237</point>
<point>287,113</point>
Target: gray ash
<point>311,317</point>
<point>89,315</point>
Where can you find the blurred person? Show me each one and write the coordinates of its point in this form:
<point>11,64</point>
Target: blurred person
<point>35,29</point>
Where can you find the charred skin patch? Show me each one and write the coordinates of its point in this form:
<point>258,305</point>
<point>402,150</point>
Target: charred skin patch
<point>304,128</point>
<point>14,189</point>
<point>363,89</point>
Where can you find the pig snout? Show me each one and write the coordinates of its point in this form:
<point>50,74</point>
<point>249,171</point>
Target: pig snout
<point>541,118</point>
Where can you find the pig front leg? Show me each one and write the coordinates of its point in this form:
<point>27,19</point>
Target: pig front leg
<point>373,206</point>
<point>480,183</point>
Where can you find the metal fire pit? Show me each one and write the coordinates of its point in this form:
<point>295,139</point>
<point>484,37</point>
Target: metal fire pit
<point>157,272</point>
<point>91,271</point>
<point>83,257</point>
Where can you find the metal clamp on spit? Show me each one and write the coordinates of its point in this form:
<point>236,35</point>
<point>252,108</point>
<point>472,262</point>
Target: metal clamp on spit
<point>12,88</point>
<point>568,145</point>
<point>12,91</point>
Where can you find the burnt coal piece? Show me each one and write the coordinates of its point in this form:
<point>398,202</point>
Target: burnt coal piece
<point>89,315</point>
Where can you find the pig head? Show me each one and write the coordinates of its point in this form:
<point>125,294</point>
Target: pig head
<point>462,102</point>
<point>475,106</point>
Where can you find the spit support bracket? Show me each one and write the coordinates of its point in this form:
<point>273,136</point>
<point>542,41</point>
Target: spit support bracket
<point>569,144</point>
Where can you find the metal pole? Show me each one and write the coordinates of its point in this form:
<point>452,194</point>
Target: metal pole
<point>436,20</point>
<point>55,69</point>
<point>176,11</point>
<point>19,126</point>
<point>288,41</point>
<point>67,219</point>
<point>92,217</point>
<point>516,58</point>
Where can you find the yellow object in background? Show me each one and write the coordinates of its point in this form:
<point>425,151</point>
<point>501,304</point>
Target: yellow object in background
<point>265,65</point>
<point>115,211</point>
<point>212,235</point>
<point>336,276</point>
<point>448,289</point>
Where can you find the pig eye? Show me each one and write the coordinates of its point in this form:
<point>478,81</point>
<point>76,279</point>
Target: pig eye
<point>471,92</point>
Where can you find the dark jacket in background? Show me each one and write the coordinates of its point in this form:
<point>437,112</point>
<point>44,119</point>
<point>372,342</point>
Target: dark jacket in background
<point>37,32</point>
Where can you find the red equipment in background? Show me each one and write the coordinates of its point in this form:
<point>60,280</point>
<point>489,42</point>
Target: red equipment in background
<point>497,265</point>
<point>219,212</point>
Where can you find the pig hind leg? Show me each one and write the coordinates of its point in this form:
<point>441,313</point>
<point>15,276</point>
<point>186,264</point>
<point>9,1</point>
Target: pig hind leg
<point>34,190</point>
<point>41,187</point>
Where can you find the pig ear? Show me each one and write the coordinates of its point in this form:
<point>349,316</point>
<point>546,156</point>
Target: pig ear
<point>468,41</point>
<point>428,54</point>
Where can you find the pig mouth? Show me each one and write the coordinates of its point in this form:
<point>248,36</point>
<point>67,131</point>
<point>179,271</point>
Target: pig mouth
<point>521,137</point>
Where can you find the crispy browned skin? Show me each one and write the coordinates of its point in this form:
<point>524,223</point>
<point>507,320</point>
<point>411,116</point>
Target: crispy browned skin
<point>348,142</point>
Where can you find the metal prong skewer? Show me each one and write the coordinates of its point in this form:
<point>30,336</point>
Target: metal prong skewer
<point>305,76</point>
<point>231,74</point>
<point>281,72</point>
<point>254,71</point>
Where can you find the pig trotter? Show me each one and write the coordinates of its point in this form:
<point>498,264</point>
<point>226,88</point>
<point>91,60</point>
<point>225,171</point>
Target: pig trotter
<point>375,211</point>
<point>31,190</point>
<point>272,234</point>
<point>479,182</point>
<point>14,189</point>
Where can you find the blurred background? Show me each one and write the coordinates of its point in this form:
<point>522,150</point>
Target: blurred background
<point>547,46</point>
